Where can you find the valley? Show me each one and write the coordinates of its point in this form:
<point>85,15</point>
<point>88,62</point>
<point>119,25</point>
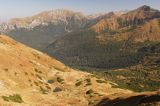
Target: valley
<point>93,59</point>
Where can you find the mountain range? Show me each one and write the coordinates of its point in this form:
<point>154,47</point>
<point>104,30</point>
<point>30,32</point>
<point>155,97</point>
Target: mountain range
<point>115,40</point>
<point>111,42</point>
<point>40,30</point>
<point>120,50</point>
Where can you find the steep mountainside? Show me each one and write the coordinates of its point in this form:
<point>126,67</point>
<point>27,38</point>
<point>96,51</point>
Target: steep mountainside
<point>110,43</point>
<point>132,18</point>
<point>68,18</point>
<point>40,30</point>
<point>29,77</point>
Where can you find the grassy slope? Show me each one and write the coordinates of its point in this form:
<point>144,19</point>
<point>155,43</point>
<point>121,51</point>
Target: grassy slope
<point>84,51</point>
<point>29,77</point>
<point>141,77</point>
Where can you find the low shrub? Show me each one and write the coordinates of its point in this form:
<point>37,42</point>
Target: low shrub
<point>88,82</point>
<point>78,83</point>
<point>37,71</point>
<point>36,83</point>
<point>89,92</point>
<point>101,81</point>
<point>59,69</point>
<point>60,80</point>
<point>14,98</point>
<point>43,91</point>
<point>48,87</point>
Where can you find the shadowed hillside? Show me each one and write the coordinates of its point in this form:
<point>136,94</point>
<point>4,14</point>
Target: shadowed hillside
<point>143,99</point>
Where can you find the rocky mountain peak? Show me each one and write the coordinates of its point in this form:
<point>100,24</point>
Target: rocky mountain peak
<point>59,17</point>
<point>60,13</point>
<point>145,8</point>
<point>144,12</point>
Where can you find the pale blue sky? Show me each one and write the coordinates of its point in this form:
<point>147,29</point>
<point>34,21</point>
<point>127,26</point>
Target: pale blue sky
<point>22,8</point>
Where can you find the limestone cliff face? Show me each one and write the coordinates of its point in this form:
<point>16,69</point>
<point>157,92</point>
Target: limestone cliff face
<point>68,18</point>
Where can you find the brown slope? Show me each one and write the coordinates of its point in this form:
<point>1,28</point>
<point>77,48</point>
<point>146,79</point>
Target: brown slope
<point>26,72</point>
<point>149,31</point>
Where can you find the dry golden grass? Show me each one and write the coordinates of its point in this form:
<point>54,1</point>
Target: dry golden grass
<point>25,71</point>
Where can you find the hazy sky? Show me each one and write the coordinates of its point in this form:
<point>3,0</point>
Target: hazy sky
<point>22,8</point>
